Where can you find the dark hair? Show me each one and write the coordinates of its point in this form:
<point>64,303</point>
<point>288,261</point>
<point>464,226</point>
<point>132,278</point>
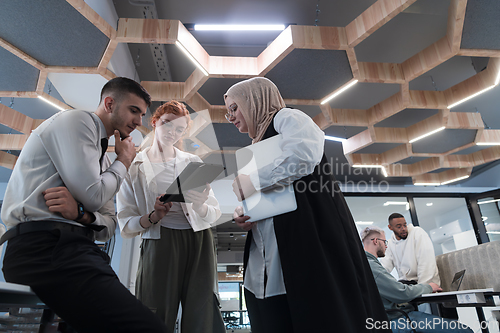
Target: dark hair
<point>120,85</point>
<point>395,216</point>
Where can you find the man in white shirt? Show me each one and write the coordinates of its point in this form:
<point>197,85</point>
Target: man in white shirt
<point>411,252</point>
<point>59,199</point>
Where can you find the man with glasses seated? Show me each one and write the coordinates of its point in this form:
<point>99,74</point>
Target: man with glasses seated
<point>396,295</point>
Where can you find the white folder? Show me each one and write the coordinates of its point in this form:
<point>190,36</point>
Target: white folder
<point>262,205</point>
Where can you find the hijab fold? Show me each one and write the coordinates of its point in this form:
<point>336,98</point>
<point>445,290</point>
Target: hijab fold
<point>258,100</point>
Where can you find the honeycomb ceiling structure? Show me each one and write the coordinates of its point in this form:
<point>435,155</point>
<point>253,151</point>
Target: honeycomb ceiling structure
<point>397,99</point>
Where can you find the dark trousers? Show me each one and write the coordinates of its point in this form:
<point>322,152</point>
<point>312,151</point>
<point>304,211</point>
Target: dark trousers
<point>268,315</point>
<point>72,276</point>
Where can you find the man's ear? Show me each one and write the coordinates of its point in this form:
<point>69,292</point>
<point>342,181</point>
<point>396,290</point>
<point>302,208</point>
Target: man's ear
<point>390,227</point>
<point>109,103</point>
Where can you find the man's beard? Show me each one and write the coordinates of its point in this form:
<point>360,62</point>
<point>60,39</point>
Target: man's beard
<point>405,236</point>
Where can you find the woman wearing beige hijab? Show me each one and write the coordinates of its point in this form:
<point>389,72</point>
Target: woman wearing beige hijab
<point>307,266</point>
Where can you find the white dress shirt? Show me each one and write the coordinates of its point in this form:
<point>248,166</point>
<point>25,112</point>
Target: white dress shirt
<point>302,146</point>
<point>64,151</point>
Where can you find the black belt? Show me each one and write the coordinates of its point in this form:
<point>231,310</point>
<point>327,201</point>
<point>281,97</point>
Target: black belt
<point>34,226</point>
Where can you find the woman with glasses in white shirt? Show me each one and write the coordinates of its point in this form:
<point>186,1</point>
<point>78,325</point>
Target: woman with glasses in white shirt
<point>177,262</point>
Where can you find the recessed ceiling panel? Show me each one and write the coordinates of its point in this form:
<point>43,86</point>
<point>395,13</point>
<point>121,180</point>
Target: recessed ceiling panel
<point>406,118</point>
<point>378,148</point>
<point>310,110</point>
<point>214,89</point>
<point>238,50</point>
<point>487,104</point>
<point>180,65</point>
<point>406,34</point>
<point>471,150</point>
<point>439,170</point>
<point>143,60</point>
<point>344,132</point>
<point>446,75</point>
<point>50,22</point>
<point>226,137</point>
<point>16,74</point>
<point>332,13</point>
<point>364,95</point>
<point>34,108</point>
<point>7,130</point>
<point>481,25</point>
<point>5,175</point>
<point>311,74</point>
<point>412,160</point>
<point>444,141</point>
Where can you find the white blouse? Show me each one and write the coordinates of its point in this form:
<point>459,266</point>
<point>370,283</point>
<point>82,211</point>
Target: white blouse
<point>165,175</point>
<point>139,191</point>
<point>302,146</point>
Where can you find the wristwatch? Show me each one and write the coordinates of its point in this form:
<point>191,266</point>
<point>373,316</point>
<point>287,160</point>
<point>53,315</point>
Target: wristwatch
<point>81,211</point>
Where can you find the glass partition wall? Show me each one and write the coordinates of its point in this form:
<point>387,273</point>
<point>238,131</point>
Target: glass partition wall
<point>447,221</point>
<point>453,221</point>
<point>490,215</point>
<point>375,211</point>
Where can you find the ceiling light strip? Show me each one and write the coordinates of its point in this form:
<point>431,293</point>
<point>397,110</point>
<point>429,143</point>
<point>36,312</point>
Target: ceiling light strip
<point>335,94</point>
<point>454,180</point>
<point>427,134</point>
<point>239,27</point>
<point>51,103</point>
<point>403,203</point>
<point>371,166</point>
<point>471,96</point>
<point>488,143</point>
<point>488,201</point>
<point>334,138</point>
<point>191,57</point>
<point>364,222</point>
<point>427,184</point>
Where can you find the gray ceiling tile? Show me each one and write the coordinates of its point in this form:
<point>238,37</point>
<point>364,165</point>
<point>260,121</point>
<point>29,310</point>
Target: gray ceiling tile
<point>439,170</point>
<point>16,74</point>
<point>7,130</point>
<point>471,150</point>
<point>378,148</point>
<point>446,75</point>
<point>412,160</point>
<point>50,22</point>
<point>444,141</point>
<point>226,137</point>
<point>481,25</point>
<point>311,74</point>
<point>406,118</point>
<point>310,110</point>
<point>214,89</point>
<point>344,131</point>
<point>403,36</point>
<point>364,95</point>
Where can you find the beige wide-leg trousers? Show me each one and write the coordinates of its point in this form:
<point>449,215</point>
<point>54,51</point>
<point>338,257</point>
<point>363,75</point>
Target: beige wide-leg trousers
<point>181,267</point>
